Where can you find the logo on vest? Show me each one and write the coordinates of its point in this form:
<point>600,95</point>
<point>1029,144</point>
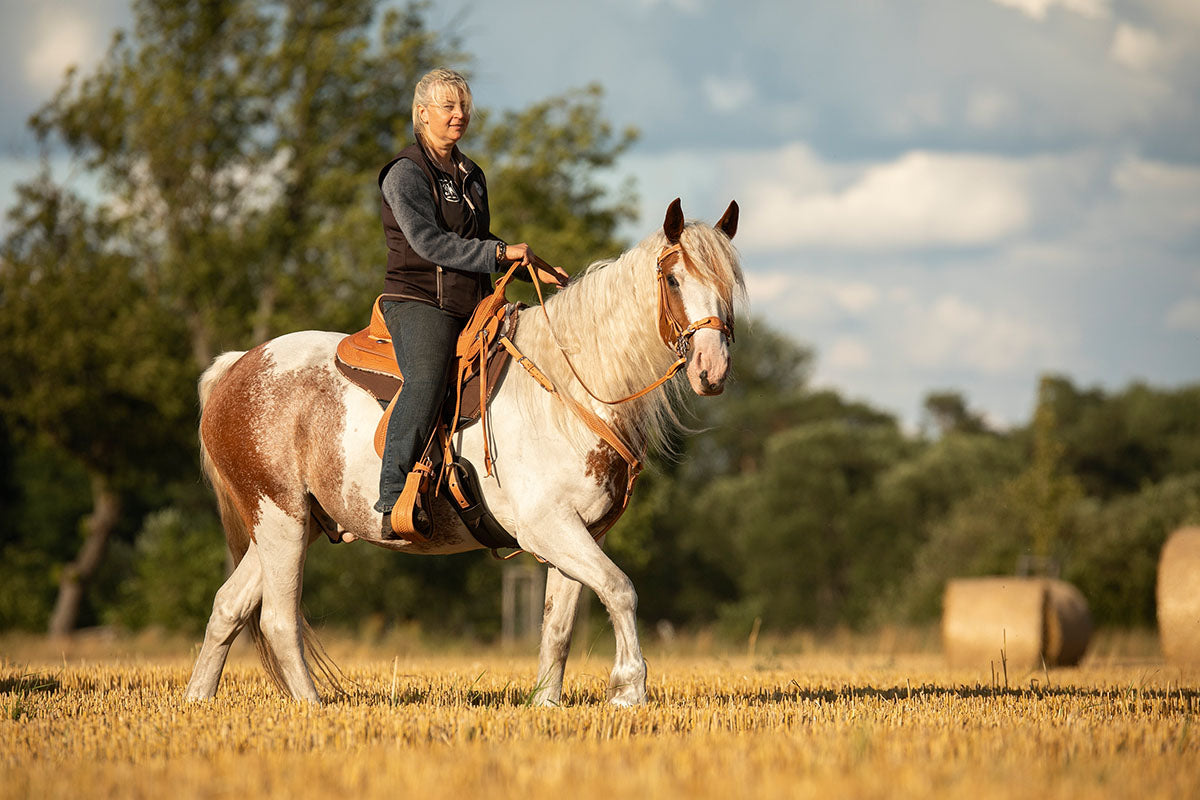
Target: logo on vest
<point>449,190</point>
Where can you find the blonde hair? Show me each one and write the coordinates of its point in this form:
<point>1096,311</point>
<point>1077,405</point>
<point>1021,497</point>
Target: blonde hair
<point>433,83</point>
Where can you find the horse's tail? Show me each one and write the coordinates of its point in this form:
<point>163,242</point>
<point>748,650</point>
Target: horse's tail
<point>237,537</point>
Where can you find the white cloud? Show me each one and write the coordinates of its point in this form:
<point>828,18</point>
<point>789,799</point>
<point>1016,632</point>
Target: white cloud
<point>810,298</point>
<point>848,353</point>
<point>727,95</point>
<point>988,109</point>
<point>1136,48</point>
<point>686,6</point>
<point>1185,315</point>
<point>954,333</point>
<point>922,199</point>
<point>60,42</point>
<point>1037,9</point>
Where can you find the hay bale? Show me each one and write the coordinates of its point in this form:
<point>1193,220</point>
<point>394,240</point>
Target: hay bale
<point>1068,624</point>
<point>982,616</point>
<point>1178,595</point>
<point>1028,618</point>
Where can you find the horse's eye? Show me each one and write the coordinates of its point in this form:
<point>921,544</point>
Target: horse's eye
<point>672,282</point>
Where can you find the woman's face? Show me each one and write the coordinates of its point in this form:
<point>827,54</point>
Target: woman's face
<point>446,118</point>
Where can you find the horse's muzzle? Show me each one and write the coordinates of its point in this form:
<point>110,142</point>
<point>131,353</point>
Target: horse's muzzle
<point>709,364</point>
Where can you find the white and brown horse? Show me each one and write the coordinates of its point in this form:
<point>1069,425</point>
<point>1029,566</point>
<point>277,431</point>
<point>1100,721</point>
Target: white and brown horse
<point>286,441</point>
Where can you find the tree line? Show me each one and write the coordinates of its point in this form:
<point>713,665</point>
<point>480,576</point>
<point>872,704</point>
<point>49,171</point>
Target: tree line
<point>237,143</point>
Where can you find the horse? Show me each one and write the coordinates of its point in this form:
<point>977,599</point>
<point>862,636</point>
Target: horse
<point>286,443</point>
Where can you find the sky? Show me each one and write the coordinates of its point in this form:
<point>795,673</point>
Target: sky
<point>936,195</point>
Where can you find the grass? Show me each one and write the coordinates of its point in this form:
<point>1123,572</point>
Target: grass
<point>835,716</point>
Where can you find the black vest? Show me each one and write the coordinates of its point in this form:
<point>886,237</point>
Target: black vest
<point>460,206</point>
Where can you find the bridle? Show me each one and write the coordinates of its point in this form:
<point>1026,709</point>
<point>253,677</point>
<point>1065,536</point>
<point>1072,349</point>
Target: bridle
<point>676,334</point>
<point>674,329</point>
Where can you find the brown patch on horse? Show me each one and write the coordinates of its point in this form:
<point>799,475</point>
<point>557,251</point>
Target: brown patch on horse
<point>228,428</point>
<point>611,473</point>
<point>246,407</point>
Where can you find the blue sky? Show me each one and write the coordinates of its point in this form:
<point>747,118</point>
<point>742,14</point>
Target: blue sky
<point>936,194</point>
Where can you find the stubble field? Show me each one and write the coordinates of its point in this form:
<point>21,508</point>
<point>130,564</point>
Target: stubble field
<point>843,720</point>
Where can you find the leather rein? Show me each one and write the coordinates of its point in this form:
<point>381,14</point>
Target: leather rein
<point>676,333</point>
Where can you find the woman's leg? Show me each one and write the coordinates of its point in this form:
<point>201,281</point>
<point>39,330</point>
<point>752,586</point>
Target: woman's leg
<point>424,338</point>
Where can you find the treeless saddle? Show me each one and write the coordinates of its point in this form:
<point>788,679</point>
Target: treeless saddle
<point>368,360</point>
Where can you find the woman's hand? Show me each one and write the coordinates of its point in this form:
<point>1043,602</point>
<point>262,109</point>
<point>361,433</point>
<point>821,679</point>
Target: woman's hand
<point>523,254</point>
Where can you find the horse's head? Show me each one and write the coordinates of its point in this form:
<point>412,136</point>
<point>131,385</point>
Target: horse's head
<point>697,275</point>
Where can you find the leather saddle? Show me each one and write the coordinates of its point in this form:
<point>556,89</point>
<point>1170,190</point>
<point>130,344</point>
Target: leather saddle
<point>368,360</point>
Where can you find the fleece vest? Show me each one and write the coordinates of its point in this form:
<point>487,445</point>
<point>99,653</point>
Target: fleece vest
<point>460,203</point>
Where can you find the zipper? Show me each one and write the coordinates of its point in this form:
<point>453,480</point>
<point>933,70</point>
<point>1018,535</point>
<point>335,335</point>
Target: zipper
<point>441,303</point>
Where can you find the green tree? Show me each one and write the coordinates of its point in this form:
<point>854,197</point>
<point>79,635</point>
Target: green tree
<point>947,412</point>
<point>237,144</point>
<point>87,365</point>
<point>1115,559</point>
<point>233,137</point>
<point>542,163</point>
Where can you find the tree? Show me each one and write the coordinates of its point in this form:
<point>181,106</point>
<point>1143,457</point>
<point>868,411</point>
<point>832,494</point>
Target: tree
<point>948,412</point>
<point>541,162</point>
<point>87,364</point>
<point>237,145</point>
<point>234,137</point>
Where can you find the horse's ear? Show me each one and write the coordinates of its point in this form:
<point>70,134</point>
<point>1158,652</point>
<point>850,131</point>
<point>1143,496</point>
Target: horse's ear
<point>728,222</point>
<point>673,224</point>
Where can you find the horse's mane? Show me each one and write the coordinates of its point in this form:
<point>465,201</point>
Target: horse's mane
<point>606,320</point>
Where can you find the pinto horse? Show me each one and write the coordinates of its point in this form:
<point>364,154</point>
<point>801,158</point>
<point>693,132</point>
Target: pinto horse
<point>286,441</point>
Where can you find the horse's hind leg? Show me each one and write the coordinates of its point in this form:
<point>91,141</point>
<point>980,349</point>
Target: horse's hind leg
<point>236,600</point>
<point>558,623</point>
<point>282,542</point>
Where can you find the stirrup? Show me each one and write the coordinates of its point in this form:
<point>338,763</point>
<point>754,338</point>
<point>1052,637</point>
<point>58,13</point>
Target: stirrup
<point>403,516</point>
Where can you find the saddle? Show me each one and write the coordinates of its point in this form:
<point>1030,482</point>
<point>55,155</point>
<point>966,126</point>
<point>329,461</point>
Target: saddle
<point>368,360</point>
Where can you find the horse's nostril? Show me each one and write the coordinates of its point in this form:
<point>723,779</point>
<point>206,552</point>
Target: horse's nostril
<point>704,376</point>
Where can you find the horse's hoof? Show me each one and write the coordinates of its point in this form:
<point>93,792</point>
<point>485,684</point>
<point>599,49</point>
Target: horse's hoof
<point>348,537</point>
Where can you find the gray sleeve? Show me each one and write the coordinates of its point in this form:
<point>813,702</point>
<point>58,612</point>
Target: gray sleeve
<point>406,190</point>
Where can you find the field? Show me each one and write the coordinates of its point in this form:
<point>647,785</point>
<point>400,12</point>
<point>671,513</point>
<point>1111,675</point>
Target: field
<point>835,718</point>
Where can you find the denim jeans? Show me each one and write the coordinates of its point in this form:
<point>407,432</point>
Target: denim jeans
<point>424,338</point>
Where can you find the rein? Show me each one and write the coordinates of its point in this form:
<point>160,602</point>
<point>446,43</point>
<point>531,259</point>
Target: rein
<point>675,334</point>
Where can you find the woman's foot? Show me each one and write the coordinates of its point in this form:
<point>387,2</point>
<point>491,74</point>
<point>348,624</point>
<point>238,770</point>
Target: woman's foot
<point>421,524</point>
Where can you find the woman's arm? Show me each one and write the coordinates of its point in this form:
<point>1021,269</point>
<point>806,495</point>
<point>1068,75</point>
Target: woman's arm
<point>407,192</point>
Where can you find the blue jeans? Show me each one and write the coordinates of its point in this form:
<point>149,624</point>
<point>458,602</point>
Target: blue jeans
<point>424,338</point>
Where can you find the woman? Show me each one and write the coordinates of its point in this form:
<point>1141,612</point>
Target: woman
<point>440,254</point>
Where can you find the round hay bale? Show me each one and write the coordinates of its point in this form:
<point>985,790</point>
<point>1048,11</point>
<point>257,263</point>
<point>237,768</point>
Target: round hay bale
<point>1068,624</point>
<point>983,616</point>
<point>1178,595</point>
<point>1030,619</point>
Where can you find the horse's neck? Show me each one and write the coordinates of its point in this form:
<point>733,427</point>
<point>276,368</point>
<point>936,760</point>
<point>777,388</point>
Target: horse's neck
<point>608,326</point>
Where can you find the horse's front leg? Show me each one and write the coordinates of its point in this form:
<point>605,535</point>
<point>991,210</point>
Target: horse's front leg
<point>570,548</point>
<point>558,623</point>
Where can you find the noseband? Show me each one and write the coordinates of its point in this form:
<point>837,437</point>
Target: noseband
<point>673,327</point>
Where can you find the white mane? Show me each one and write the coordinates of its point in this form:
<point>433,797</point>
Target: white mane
<point>607,321</point>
